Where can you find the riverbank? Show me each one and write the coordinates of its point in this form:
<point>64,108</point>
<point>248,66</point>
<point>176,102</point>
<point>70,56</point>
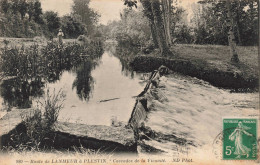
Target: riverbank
<point>207,62</point>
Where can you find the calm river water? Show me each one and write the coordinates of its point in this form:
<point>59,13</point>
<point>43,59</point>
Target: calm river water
<point>111,96</point>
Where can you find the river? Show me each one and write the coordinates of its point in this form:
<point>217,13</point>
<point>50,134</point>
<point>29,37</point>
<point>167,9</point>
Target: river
<point>111,96</point>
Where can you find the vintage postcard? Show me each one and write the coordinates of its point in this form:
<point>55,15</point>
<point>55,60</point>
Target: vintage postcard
<point>129,82</point>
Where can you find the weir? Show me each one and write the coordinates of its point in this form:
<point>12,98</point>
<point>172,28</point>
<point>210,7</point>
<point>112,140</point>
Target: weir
<point>143,100</point>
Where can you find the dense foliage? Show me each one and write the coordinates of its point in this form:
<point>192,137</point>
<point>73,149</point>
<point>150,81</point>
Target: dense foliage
<point>88,16</point>
<point>209,23</point>
<point>25,18</point>
<point>132,29</point>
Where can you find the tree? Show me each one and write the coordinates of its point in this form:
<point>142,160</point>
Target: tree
<point>5,6</point>
<point>132,30</point>
<point>152,10</point>
<point>211,16</point>
<point>72,26</point>
<point>37,11</point>
<point>14,6</point>
<point>30,9</point>
<point>160,28</point>
<point>22,8</point>
<point>231,37</point>
<point>166,11</point>
<point>88,16</point>
<point>149,14</point>
<point>52,21</point>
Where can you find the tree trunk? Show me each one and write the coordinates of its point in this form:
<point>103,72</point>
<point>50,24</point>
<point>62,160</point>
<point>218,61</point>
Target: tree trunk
<point>166,6</point>
<point>160,29</point>
<point>149,14</point>
<point>238,34</point>
<point>231,37</point>
<point>238,24</point>
<point>153,31</point>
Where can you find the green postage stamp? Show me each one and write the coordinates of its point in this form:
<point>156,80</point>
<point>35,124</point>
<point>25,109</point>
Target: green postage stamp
<point>239,139</point>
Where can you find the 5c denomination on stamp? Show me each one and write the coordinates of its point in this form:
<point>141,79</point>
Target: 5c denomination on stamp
<point>239,139</point>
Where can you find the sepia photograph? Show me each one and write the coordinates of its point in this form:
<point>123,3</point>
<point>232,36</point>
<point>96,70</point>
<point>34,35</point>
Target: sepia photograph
<point>129,82</point>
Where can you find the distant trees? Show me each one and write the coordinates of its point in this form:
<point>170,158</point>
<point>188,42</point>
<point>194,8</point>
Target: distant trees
<point>30,9</point>
<point>21,18</point>
<point>72,26</point>
<point>132,30</point>
<point>52,21</point>
<point>88,16</point>
<point>5,6</point>
<point>37,12</point>
<point>22,8</point>
<point>25,18</point>
<point>226,23</point>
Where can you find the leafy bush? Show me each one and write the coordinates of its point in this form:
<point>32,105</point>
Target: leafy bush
<point>132,30</point>
<point>183,34</point>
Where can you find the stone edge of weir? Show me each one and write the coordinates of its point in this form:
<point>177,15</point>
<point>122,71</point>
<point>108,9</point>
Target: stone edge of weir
<point>97,137</point>
<point>149,93</point>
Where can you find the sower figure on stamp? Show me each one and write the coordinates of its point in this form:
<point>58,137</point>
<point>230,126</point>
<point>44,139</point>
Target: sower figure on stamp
<point>60,35</point>
<point>236,136</point>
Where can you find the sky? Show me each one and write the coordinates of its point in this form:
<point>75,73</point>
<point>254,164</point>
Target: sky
<point>108,9</point>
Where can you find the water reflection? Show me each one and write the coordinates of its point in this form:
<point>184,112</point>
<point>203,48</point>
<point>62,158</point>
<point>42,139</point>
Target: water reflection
<point>87,92</point>
<point>19,93</point>
<point>34,68</point>
<point>125,54</point>
<point>84,82</point>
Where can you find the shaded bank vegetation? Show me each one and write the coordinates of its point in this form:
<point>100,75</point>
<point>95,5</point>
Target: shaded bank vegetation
<point>30,68</point>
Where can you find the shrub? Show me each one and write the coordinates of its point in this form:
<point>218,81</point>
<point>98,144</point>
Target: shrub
<point>39,123</point>
<point>51,107</point>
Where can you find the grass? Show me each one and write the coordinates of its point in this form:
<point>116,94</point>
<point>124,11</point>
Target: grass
<point>217,57</point>
<point>248,55</point>
<point>211,63</point>
<point>51,106</point>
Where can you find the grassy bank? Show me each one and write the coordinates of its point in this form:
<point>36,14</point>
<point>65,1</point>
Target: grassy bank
<point>207,62</point>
